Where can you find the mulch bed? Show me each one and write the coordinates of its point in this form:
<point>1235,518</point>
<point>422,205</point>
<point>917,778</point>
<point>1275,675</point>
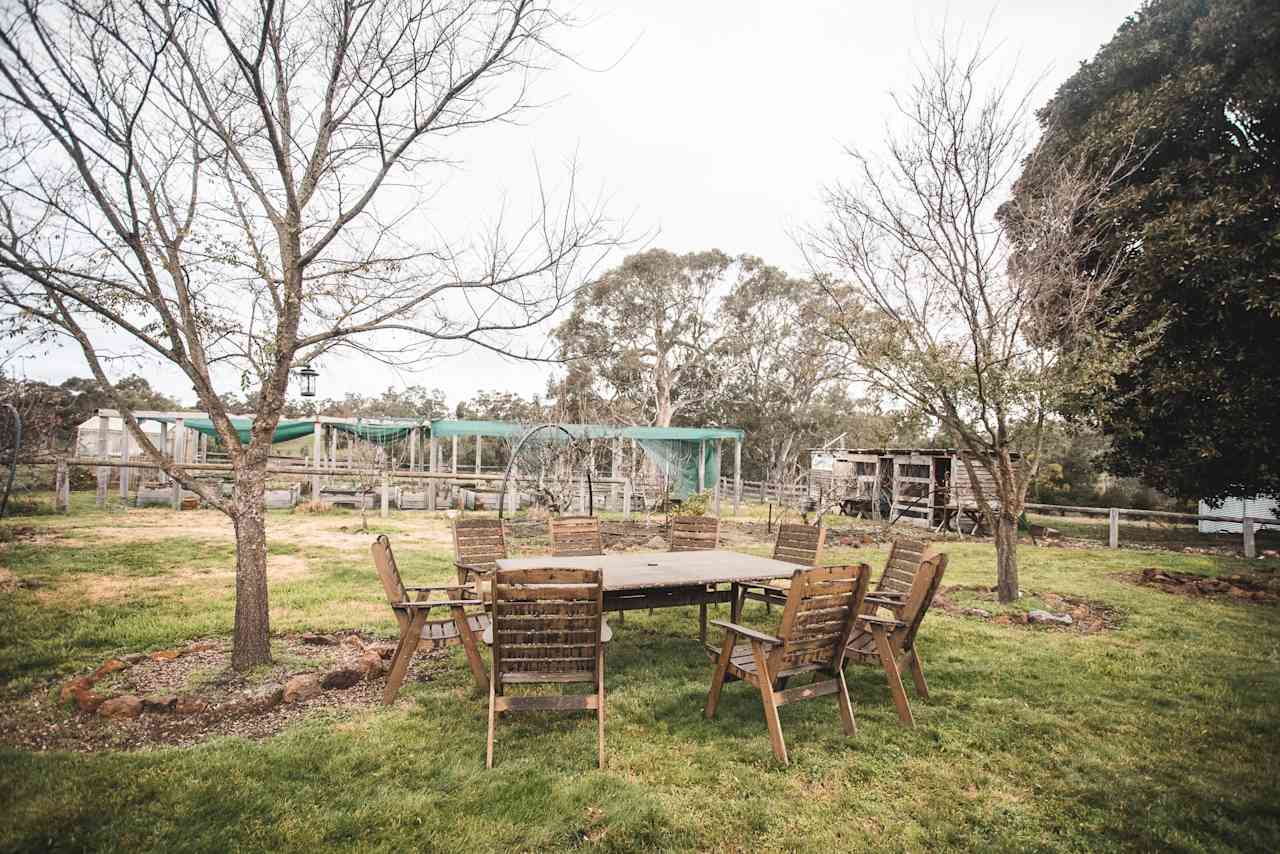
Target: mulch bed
<point>1264,590</point>
<point>1088,616</point>
<point>195,696</point>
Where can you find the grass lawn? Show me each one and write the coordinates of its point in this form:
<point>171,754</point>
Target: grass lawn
<point>1161,734</point>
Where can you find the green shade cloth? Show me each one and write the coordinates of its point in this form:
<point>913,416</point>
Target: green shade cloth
<point>672,450</point>
<point>285,431</point>
<point>380,433</point>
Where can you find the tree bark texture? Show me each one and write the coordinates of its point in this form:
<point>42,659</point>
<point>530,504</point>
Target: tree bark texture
<point>1006,555</point>
<point>252,641</point>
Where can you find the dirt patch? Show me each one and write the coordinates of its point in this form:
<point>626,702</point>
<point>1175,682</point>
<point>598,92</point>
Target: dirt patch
<point>1264,590</point>
<point>1087,616</point>
<point>196,696</point>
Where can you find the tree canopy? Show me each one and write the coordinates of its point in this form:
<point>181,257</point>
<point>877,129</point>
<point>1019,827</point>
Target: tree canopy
<point>1195,230</point>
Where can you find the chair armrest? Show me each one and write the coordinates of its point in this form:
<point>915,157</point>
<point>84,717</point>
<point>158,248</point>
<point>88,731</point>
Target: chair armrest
<point>747,633</point>
<point>472,567</point>
<point>882,621</point>
<point>436,603</point>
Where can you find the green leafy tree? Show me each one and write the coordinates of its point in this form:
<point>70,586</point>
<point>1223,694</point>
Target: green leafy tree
<point>1195,231</point>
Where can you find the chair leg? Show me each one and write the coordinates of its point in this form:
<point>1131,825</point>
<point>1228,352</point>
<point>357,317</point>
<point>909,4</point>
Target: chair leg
<point>917,675</point>
<point>472,650</point>
<point>770,704</point>
<point>891,673</point>
<point>846,707</point>
<point>493,715</point>
<point>405,649</point>
<point>702,622</point>
<point>717,678</point>
<point>600,705</point>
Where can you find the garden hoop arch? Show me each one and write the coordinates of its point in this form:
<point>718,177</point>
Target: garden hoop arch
<point>506,475</point>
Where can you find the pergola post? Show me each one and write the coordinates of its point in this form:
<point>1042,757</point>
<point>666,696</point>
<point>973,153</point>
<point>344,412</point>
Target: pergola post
<point>717,486</point>
<point>702,465</point>
<point>453,468</point>
<point>333,449</point>
<point>386,495</point>
<point>317,451</point>
<point>737,475</point>
<point>103,473</point>
<point>431,465</point>
<point>479,451</point>
<point>164,447</point>
<point>124,458</point>
<point>626,500</point>
<point>179,457</point>
<point>413,449</point>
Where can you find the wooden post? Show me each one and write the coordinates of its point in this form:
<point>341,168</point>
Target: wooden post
<point>104,473</point>
<point>453,467</point>
<point>626,500</point>
<point>1113,526</point>
<point>737,475</point>
<point>413,449</point>
<point>702,465</point>
<point>386,495</point>
<point>124,458</point>
<point>333,449</point>
<point>1246,526</point>
<point>479,442</point>
<point>582,493</point>
<point>164,447</point>
<point>719,458</point>
<point>317,450</point>
<point>62,488</point>
<point>179,456</point>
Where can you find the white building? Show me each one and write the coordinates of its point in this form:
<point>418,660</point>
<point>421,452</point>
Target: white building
<point>1259,508</point>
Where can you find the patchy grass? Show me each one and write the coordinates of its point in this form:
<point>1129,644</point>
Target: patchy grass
<point>1161,734</point>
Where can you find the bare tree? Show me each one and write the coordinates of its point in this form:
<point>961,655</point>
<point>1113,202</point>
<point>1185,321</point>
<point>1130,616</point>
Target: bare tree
<point>200,177</point>
<point>961,304</point>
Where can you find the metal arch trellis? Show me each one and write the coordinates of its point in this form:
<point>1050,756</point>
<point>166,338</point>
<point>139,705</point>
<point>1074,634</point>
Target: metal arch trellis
<point>515,454</point>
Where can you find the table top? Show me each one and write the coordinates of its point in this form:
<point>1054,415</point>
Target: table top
<point>648,570</point>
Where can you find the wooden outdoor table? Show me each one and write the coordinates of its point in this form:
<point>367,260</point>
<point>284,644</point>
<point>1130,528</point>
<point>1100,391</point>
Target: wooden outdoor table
<point>635,580</point>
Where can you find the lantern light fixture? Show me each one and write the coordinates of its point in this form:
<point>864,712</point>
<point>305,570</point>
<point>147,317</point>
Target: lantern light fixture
<point>308,375</point>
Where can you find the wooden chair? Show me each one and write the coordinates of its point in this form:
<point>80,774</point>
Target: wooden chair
<point>459,628</point>
<point>477,544</point>
<point>548,627</point>
<point>576,535</point>
<point>905,559</point>
<point>892,641</point>
<point>692,534</point>
<point>798,544</point>
<point>822,606</point>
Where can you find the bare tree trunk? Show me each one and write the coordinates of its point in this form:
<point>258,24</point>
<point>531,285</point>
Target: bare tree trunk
<point>252,642</point>
<point>1006,555</point>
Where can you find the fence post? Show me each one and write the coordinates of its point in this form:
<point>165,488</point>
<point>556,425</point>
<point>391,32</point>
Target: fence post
<point>386,495</point>
<point>62,488</point>
<point>1113,525</point>
<point>626,500</point>
<point>1247,527</point>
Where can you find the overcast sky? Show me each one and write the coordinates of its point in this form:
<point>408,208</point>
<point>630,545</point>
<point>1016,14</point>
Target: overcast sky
<point>709,124</point>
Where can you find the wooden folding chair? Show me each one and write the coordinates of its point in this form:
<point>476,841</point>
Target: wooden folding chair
<point>892,642</point>
<point>459,628</point>
<point>691,534</point>
<point>548,627</point>
<point>477,544</point>
<point>572,536</point>
<point>798,544</point>
<point>822,605</point>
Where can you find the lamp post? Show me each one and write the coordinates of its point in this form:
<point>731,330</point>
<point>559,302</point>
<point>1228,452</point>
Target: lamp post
<point>308,375</point>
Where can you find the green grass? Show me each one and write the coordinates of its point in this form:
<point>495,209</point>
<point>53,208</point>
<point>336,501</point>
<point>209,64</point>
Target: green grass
<point>1163,734</point>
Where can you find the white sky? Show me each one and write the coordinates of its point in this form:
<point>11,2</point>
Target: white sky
<point>714,124</point>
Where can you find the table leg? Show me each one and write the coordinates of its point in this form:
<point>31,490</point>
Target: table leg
<point>735,603</point>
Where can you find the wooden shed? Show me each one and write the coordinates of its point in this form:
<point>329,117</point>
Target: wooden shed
<point>925,487</point>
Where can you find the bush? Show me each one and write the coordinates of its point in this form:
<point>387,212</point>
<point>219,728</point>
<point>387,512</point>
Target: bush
<point>695,505</point>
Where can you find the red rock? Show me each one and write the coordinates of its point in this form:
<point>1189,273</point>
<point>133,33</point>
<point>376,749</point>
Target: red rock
<point>301,688</point>
<point>313,639</point>
<point>1002,619</point>
<point>202,646</point>
<point>353,640</point>
<point>88,701</point>
<point>267,697</point>
<point>165,655</point>
<point>159,703</point>
<point>84,683</point>
<point>109,666</point>
<point>371,665</point>
<point>127,706</point>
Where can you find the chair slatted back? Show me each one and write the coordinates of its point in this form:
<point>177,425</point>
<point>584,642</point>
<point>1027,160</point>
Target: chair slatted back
<point>572,536</point>
<point>479,542</point>
<point>389,574</point>
<point>800,544</point>
<point>923,590</point>
<point>546,624</point>
<point>822,605</point>
<point>905,557</point>
<point>695,533</point>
